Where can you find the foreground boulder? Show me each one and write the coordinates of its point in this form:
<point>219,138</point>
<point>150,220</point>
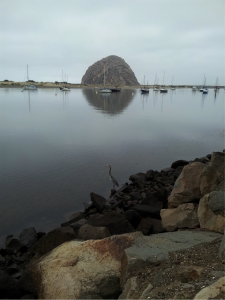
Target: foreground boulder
<point>214,291</point>
<point>186,188</point>
<point>79,270</point>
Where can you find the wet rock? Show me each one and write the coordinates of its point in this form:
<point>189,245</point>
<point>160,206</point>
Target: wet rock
<point>53,239</point>
<point>9,288</point>
<point>187,188</point>
<point>184,216</point>
<point>133,217</point>
<point>179,163</point>
<point>28,236</point>
<point>116,224</point>
<point>145,226</point>
<point>98,201</point>
<point>88,232</point>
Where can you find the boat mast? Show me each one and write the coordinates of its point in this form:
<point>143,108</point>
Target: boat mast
<point>104,76</point>
<point>27,74</point>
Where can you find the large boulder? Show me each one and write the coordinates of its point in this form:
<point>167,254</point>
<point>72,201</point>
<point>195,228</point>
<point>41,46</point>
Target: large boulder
<point>209,219</point>
<point>184,216</point>
<point>212,178</point>
<point>116,223</point>
<point>117,72</point>
<point>98,201</point>
<point>186,187</point>
<point>79,270</point>
<point>53,239</point>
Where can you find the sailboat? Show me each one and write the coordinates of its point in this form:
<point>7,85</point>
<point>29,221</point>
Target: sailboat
<point>64,88</point>
<point>216,84</point>
<point>204,89</point>
<point>105,90</point>
<point>172,87</point>
<point>144,89</point>
<point>163,90</point>
<point>28,86</point>
<point>156,88</point>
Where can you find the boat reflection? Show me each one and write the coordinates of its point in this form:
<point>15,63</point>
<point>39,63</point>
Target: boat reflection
<point>112,104</point>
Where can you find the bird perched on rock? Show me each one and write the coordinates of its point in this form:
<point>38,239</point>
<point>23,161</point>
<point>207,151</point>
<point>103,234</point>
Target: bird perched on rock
<point>115,182</point>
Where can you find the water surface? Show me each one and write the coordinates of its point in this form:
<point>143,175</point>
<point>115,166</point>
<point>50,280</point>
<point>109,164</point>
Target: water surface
<point>54,145</point>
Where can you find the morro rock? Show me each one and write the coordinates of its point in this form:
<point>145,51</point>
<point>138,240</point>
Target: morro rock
<point>117,72</point>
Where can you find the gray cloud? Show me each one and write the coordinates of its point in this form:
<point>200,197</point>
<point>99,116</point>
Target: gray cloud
<point>182,38</point>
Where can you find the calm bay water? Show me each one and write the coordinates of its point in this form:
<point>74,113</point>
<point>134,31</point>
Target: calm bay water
<point>54,147</point>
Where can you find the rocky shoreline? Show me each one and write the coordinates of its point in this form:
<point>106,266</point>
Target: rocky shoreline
<point>159,236</point>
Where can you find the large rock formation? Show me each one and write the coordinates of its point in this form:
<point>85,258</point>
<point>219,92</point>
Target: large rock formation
<point>117,72</point>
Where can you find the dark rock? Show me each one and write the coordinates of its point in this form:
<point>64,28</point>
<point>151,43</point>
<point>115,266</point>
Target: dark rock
<point>8,239</point>
<point>88,205</point>
<point>209,156</point>
<point>28,236</point>
<point>140,183</point>
<point>2,260</point>
<point>13,268</point>
<point>113,192</point>
<point>216,200</point>
<point>161,194</point>
<point>88,232</point>
<point>179,163</point>
<point>138,176</point>
<point>76,216</point>
<point>150,174</point>
<point>117,72</point>
<point>98,201</point>
<point>136,196</point>
<point>9,288</point>
<point>148,211</point>
<point>145,226</point>
<point>167,170</point>
<point>166,180</point>
<point>40,234</point>
<point>178,171</point>
<point>28,296</point>
<point>92,211</point>
<point>203,160</point>
<point>157,226</point>
<point>150,199</point>
<point>222,248</point>
<point>119,211</point>
<point>13,244</point>
<point>76,225</point>
<point>133,217</point>
<point>116,223</point>
<point>53,239</point>
<point>118,204</point>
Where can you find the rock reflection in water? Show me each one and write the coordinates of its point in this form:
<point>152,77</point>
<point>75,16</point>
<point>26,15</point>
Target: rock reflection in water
<point>112,103</point>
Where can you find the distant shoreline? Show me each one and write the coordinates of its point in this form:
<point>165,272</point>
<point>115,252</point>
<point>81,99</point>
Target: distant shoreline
<point>12,84</point>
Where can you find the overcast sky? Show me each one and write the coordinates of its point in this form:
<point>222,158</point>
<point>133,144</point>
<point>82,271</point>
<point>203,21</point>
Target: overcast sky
<point>184,38</point>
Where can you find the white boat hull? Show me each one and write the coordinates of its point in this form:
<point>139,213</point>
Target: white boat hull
<point>29,88</point>
<point>105,91</point>
<point>65,89</point>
